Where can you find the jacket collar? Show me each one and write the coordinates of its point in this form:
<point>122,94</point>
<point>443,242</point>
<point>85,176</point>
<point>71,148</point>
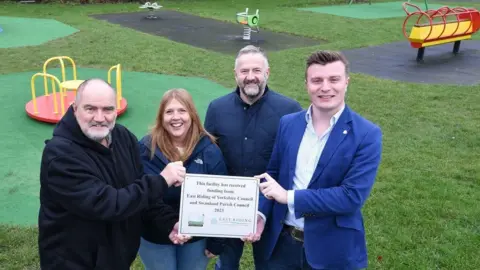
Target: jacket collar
<point>335,118</point>
<point>203,143</point>
<point>69,128</point>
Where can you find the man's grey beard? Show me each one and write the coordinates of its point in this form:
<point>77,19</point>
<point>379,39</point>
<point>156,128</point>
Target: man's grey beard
<point>108,138</point>
<point>251,97</point>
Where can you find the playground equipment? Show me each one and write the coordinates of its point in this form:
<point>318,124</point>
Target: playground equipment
<point>118,83</point>
<point>444,25</point>
<point>64,83</point>
<point>151,8</point>
<point>248,22</point>
<point>51,107</point>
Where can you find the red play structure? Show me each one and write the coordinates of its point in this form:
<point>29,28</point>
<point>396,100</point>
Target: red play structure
<point>51,106</point>
<point>440,26</point>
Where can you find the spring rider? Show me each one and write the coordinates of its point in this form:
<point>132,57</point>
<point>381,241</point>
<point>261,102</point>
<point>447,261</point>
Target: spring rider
<point>442,26</point>
<point>151,8</point>
<point>248,22</point>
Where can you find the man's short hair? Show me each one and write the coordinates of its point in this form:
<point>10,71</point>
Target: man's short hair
<point>326,57</point>
<point>251,49</point>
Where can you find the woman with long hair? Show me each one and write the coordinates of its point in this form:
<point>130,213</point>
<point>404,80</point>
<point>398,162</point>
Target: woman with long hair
<point>178,135</point>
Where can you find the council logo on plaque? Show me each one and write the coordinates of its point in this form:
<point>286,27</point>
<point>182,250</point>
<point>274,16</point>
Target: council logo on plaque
<point>196,220</point>
<point>234,221</point>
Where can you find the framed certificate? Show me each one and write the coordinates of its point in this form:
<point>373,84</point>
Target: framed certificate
<point>218,206</point>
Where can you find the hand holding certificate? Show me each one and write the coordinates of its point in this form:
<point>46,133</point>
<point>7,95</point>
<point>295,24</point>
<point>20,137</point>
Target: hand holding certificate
<point>218,206</point>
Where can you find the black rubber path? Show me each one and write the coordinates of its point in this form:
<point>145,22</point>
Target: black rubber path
<point>397,61</point>
<point>223,37</point>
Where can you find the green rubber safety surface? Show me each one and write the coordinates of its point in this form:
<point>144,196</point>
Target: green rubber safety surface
<point>373,11</point>
<point>23,138</point>
<point>20,32</point>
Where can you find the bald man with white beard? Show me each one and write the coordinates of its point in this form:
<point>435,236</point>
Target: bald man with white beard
<point>94,196</point>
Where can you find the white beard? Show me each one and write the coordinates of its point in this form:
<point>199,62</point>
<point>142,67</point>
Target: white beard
<point>98,135</point>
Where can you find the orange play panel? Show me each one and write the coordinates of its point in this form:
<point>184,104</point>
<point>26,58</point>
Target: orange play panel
<point>45,109</point>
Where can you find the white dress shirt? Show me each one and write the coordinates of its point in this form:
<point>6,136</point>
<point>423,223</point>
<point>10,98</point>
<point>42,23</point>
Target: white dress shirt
<point>309,153</point>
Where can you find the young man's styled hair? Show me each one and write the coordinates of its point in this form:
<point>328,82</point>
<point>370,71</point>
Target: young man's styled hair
<point>327,57</point>
<point>161,138</point>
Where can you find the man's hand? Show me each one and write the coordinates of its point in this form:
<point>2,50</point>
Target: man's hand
<point>209,254</point>
<point>176,238</point>
<point>174,173</point>
<point>255,237</point>
<point>272,190</point>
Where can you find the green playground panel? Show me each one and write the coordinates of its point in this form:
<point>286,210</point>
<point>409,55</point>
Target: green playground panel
<point>20,32</point>
<point>367,11</point>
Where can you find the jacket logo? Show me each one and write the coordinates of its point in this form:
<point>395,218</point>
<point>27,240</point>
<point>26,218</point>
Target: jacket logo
<point>199,161</point>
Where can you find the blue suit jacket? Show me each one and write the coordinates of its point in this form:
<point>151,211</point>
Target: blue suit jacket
<point>334,231</point>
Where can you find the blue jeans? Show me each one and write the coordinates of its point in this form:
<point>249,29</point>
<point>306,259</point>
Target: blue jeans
<point>189,256</point>
<point>231,255</point>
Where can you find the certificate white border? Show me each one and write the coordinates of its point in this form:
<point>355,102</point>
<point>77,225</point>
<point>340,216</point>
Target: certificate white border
<point>190,176</point>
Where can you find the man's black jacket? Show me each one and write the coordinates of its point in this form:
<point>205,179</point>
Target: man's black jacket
<point>94,200</point>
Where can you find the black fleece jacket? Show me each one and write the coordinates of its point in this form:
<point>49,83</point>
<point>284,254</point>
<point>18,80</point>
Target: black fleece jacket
<point>94,200</point>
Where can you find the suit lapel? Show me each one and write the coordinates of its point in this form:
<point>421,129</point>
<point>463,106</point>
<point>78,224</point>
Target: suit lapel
<point>294,139</point>
<point>339,132</point>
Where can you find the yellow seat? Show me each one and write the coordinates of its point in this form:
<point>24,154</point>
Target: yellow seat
<point>65,84</point>
<point>71,85</point>
<point>440,33</point>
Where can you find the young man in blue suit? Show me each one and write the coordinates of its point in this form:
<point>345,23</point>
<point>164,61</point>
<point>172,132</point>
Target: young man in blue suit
<point>323,166</point>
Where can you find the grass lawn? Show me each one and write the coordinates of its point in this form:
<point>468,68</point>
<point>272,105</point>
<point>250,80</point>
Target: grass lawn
<point>423,212</point>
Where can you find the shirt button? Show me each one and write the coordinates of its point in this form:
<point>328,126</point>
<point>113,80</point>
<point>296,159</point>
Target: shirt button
<point>244,108</point>
<point>245,138</point>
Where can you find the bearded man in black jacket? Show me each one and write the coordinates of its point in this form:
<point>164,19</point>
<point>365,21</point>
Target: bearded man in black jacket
<point>94,196</point>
